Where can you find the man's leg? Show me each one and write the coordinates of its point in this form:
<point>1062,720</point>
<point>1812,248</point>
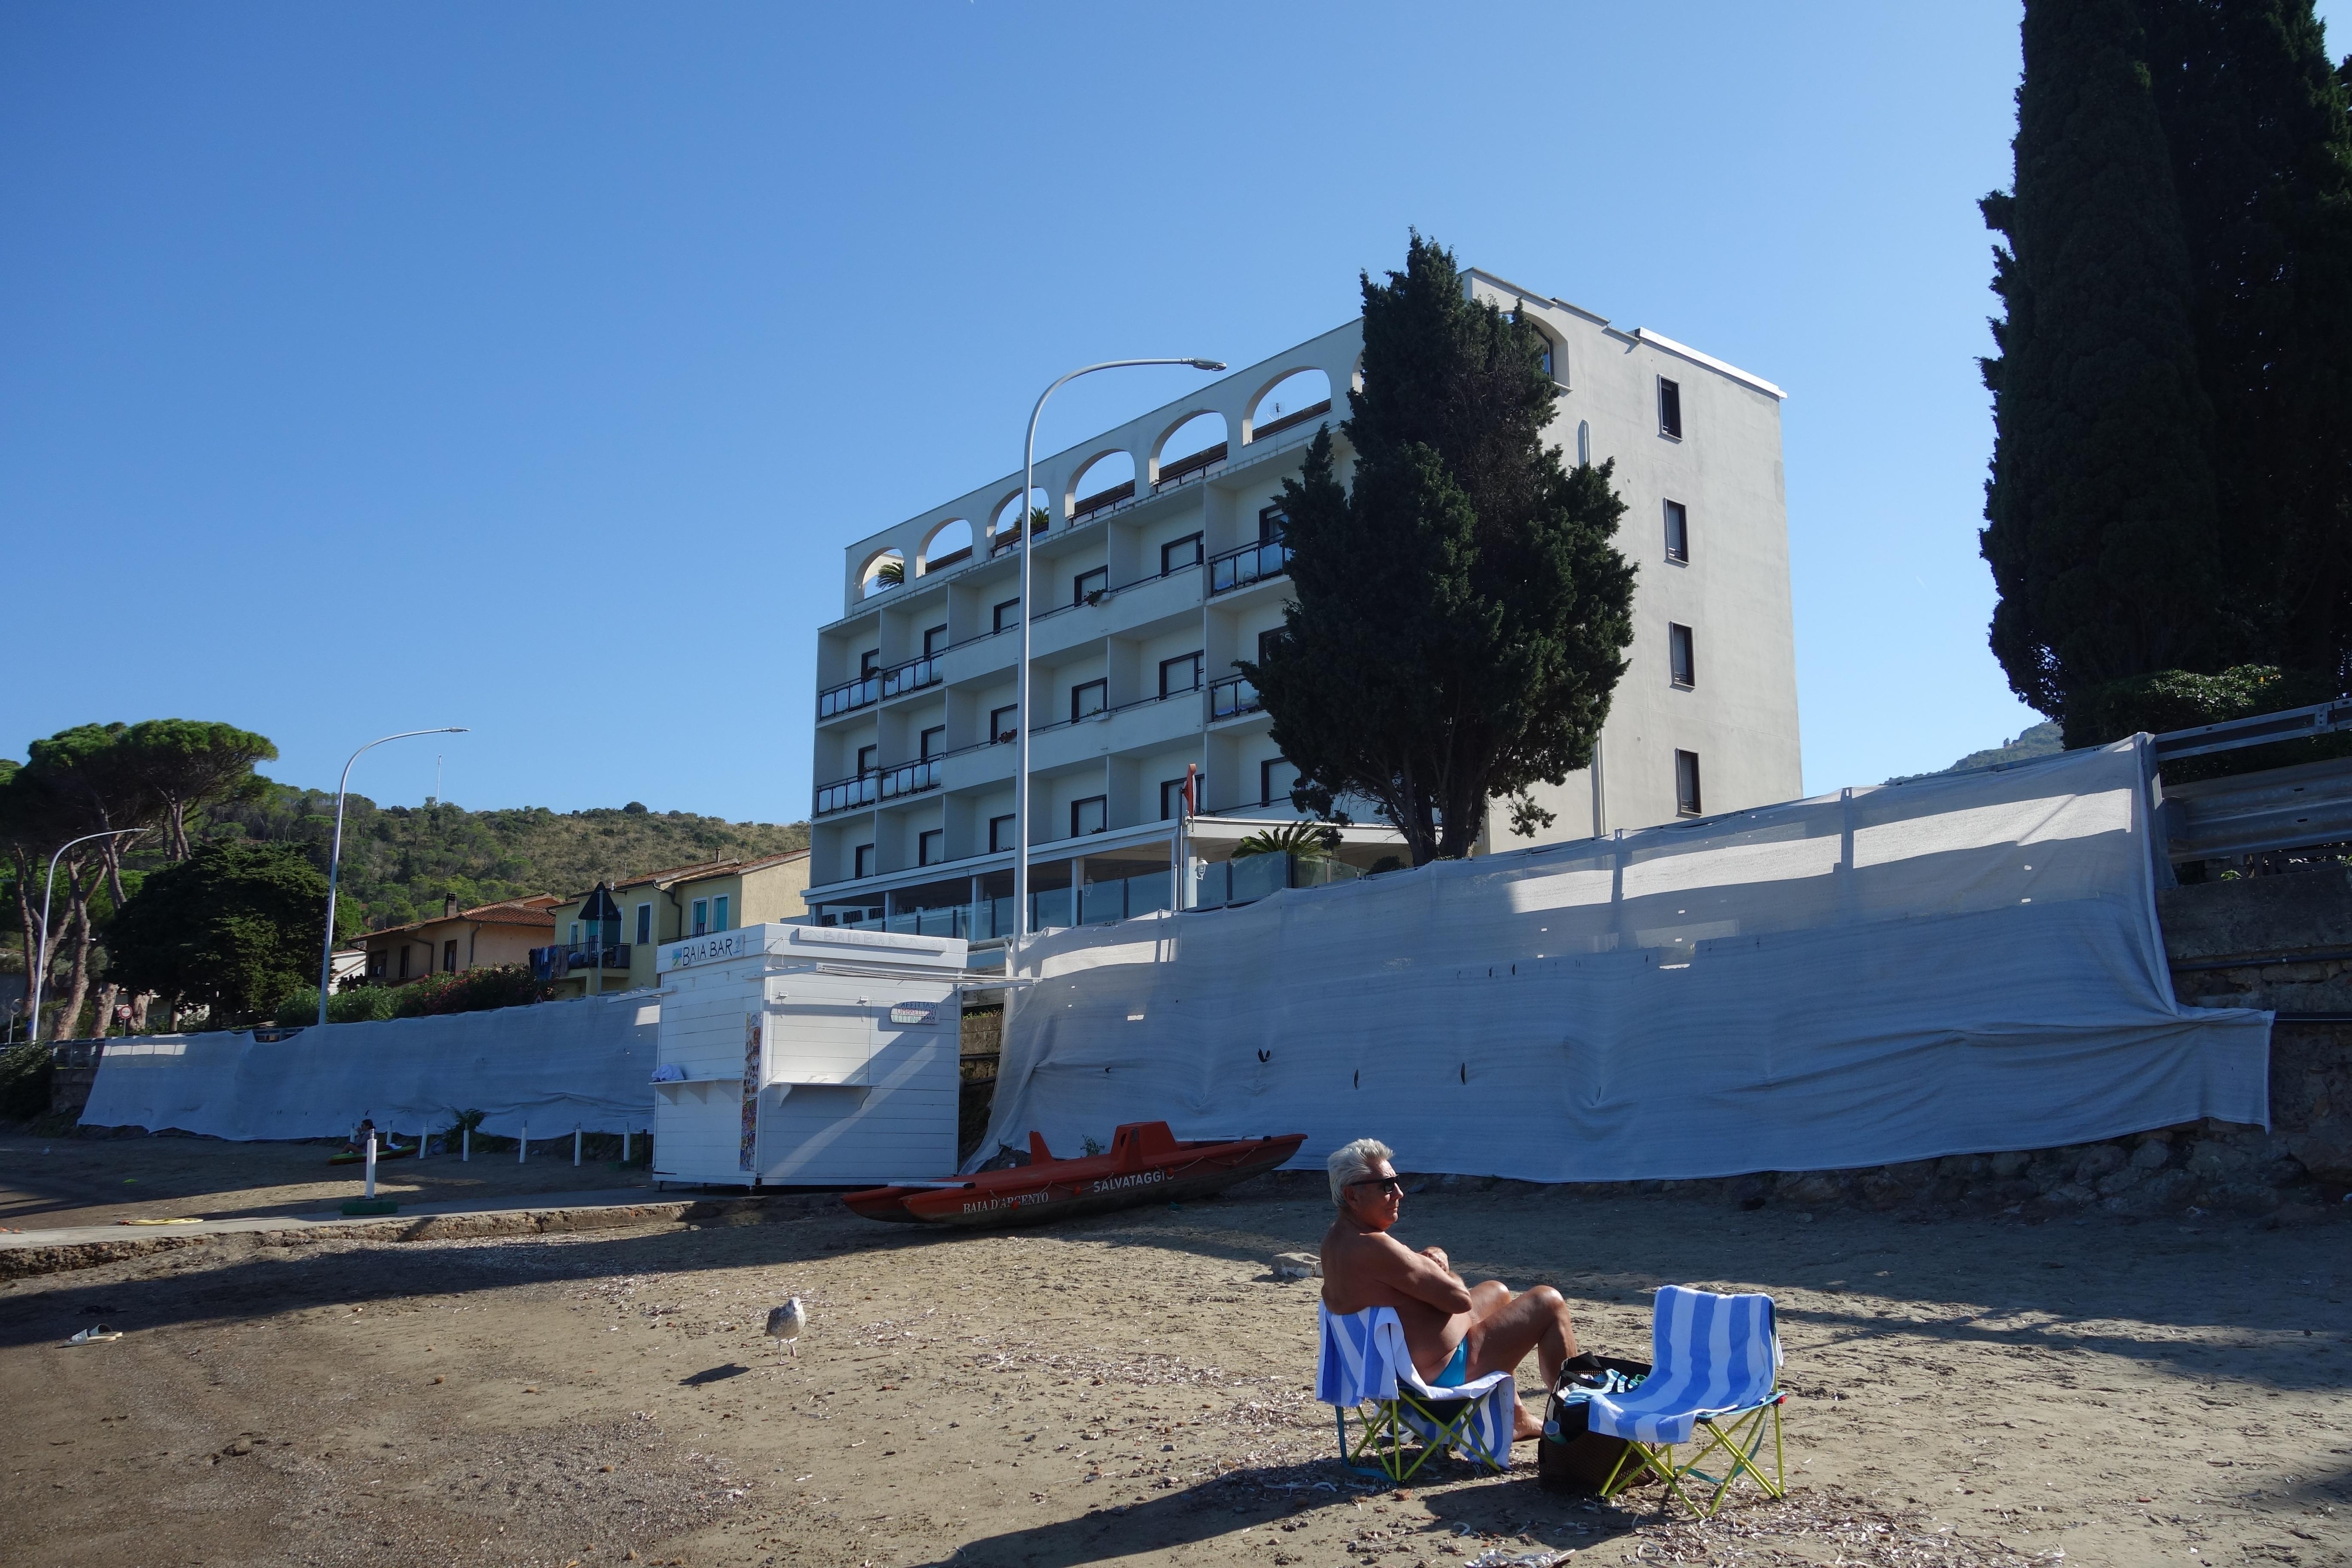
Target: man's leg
<point>1501,1336</point>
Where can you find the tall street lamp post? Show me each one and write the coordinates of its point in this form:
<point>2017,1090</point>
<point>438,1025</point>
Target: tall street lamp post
<point>1021,775</point>
<point>335,858</point>
<point>41,971</point>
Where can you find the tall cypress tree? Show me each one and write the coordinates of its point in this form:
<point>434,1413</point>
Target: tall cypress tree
<point>1460,615</point>
<point>2101,518</point>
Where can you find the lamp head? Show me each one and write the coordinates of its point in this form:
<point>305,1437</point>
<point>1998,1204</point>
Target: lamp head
<point>1206,363</point>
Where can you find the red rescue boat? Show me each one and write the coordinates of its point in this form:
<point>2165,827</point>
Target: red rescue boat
<point>1146,1164</point>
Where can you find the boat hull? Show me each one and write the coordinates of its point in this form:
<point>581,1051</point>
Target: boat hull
<point>1138,1169</point>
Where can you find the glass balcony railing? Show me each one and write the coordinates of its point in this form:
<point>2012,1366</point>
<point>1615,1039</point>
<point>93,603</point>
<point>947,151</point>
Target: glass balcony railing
<point>868,689</point>
<point>1232,697</point>
<point>1250,563</point>
<point>572,958</point>
<point>885,783</point>
<point>1220,883</point>
<point>988,918</point>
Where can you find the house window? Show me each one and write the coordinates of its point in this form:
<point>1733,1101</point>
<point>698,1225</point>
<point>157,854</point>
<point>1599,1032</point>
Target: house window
<point>375,964</point>
<point>1004,723</point>
<point>935,741</point>
<point>1686,799</point>
<point>1670,408</point>
<point>1086,584</point>
<point>1677,533</point>
<point>718,913</point>
<point>1091,814</point>
<point>1172,796</point>
<point>1008,615</point>
<point>449,956</point>
<point>404,953</point>
<point>645,924</point>
<point>861,860</point>
<point>575,937</point>
<point>1270,524</point>
<point>1275,779</point>
<point>1092,696</point>
<point>931,848</point>
<point>1544,359</point>
<point>701,917</point>
<point>1179,553</point>
<point>1684,667</point>
<point>1179,674</point>
<point>869,760</point>
<point>935,641</point>
<point>869,663</point>
<point>1001,834</point>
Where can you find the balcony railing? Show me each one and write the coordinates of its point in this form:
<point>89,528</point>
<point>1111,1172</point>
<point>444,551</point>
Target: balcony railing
<point>571,958</point>
<point>867,690</point>
<point>1232,697</point>
<point>1250,563</point>
<point>885,783</point>
<point>1218,883</point>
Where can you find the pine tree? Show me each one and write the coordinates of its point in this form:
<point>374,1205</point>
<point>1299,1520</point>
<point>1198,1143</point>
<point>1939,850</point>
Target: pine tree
<point>1460,615</point>
<point>2101,517</point>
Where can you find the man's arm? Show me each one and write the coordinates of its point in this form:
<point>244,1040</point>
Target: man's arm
<point>1421,1276</point>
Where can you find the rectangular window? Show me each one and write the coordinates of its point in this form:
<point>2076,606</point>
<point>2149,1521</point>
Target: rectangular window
<point>869,663</point>
<point>718,914</point>
<point>1266,642</point>
<point>1092,696</point>
<point>1008,615</point>
<point>935,741</point>
<point>1179,674</point>
<point>1677,533</point>
<point>450,957</point>
<point>1004,723</point>
<point>1086,584</point>
<point>1179,553</point>
<point>935,642</point>
<point>1001,834</point>
<point>645,924</point>
<point>1670,408</point>
<point>1687,799</point>
<point>869,760</point>
<point>1270,524</point>
<point>575,937</point>
<point>404,952</point>
<point>375,964</point>
<point>931,848</point>
<point>1682,665</point>
<point>861,860</point>
<point>1275,779</point>
<point>1172,796</point>
<point>701,917</point>
<point>1091,814</point>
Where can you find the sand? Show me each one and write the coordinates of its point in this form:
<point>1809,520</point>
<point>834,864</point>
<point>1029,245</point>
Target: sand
<point>1140,1387</point>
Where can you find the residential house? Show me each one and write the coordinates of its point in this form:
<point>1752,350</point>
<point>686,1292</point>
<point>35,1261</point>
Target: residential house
<point>605,937</point>
<point>457,940</point>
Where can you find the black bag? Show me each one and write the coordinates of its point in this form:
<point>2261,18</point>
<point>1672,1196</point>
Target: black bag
<point>1569,1458</point>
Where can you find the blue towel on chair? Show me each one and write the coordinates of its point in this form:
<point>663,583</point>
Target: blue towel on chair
<point>1710,1355</point>
<point>1364,1357</point>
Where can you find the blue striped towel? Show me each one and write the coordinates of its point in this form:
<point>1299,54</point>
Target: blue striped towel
<point>1710,1355</point>
<point>1364,1357</point>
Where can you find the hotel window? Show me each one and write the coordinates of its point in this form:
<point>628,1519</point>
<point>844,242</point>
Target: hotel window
<point>869,760</point>
<point>1266,642</point>
<point>1179,553</point>
<point>1670,408</point>
<point>1008,615</point>
<point>1686,797</point>
<point>931,848</point>
<point>861,860</point>
<point>1275,779</point>
<point>1001,834</point>
<point>645,924</point>
<point>1677,533</point>
<point>1087,583</point>
<point>935,642</point>
<point>1092,696</point>
<point>1179,674</point>
<point>1270,524</point>
<point>1172,796</point>
<point>935,741</point>
<point>1683,666</point>
<point>718,914</point>
<point>701,917</point>
<point>869,663</point>
<point>1004,723</point>
<point>1091,814</point>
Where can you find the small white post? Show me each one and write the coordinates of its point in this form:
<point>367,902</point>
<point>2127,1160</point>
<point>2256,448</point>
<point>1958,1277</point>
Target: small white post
<point>624,1145</point>
<point>522,1144</point>
<point>370,1165</point>
<point>575,1144</point>
<point>424,1136</point>
<point>464,1145</point>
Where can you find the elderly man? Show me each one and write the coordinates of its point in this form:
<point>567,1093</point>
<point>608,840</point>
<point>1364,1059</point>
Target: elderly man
<point>1453,1330</point>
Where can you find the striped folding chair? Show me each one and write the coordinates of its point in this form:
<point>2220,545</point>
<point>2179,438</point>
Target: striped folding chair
<point>1364,1372</point>
<point>1713,1381</point>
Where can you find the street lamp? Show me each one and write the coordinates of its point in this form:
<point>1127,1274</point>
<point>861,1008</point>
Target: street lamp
<point>1021,777</point>
<point>335,857</point>
<point>42,972</point>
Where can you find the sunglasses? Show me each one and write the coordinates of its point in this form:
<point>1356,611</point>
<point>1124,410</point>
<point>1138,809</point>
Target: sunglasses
<point>1391,1183</point>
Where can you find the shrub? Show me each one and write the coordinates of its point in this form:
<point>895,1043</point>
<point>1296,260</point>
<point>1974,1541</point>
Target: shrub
<point>25,1074</point>
<point>470,991</point>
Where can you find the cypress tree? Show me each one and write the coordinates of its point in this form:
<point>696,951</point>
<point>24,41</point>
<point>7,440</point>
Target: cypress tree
<point>2100,512</point>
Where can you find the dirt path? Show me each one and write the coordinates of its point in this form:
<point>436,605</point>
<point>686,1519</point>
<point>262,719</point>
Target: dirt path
<point>1140,1387</point>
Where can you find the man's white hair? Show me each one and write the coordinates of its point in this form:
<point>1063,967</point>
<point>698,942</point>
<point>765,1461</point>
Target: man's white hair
<point>1353,1163</point>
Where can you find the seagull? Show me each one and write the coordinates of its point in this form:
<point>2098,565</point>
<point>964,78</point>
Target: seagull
<point>786,1322</point>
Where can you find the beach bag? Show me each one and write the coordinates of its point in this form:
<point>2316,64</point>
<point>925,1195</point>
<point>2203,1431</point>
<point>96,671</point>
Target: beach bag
<point>1569,1458</point>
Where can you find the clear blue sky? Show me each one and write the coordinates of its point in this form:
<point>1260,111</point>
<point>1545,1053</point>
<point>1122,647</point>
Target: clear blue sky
<point>526,366</point>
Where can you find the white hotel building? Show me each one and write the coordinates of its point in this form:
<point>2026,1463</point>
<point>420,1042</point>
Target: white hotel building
<point>1161,563</point>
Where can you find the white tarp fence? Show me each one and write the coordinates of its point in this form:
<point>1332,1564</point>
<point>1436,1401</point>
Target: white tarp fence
<point>1957,964</point>
<point>587,1063</point>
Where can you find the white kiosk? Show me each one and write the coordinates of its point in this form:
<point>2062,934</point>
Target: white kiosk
<point>807,1055</point>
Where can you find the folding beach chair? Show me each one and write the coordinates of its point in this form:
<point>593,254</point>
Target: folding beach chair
<point>1364,1363</point>
<point>1713,1383</point>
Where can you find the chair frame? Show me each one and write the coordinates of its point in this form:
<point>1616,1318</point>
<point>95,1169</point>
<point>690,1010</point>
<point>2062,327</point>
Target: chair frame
<point>1383,1434</point>
<point>1738,1434</point>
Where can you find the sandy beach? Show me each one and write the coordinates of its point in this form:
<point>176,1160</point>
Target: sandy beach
<point>1139,1387</point>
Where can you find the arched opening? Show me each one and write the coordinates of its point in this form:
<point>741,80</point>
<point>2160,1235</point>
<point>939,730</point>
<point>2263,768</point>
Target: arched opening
<point>1101,485</point>
<point>1299,398</point>
<point>883,573</point>
<point>949,543</point>
<point>1194,446</point>
<point>1003,523</point>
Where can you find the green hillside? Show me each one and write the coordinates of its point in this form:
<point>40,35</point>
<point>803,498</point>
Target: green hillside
<point>2041,741</point>
<point>399,862</point>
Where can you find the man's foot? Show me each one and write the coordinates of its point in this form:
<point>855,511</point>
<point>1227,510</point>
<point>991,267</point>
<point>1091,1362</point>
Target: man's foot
<point>1526,1427</point>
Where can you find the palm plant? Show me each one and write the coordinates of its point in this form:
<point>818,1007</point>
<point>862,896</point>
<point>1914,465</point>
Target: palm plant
<point>1306,840</point>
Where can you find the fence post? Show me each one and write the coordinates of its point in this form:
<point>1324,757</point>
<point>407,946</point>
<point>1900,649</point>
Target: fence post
<point>371,1167</point>
<point>522,1144</point>
<point>464,1145</point>
<point>575,1144</point>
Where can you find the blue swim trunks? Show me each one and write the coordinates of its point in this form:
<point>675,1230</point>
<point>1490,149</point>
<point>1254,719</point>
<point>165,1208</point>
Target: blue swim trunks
<point>1457,1371</point>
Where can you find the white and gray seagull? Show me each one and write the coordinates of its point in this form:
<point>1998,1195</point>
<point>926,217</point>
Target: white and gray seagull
<point>786,1322</point>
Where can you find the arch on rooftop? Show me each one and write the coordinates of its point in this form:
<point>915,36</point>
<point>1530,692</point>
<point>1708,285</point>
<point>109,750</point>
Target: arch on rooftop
<point>884,570</point>
<point>1104,479</point>
<point>1187,439</point>
<point>1002,525</point>
<point>947,543</point>
<point>1285,401</point>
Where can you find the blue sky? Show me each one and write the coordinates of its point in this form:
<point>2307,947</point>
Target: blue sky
<point>526,367</point>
